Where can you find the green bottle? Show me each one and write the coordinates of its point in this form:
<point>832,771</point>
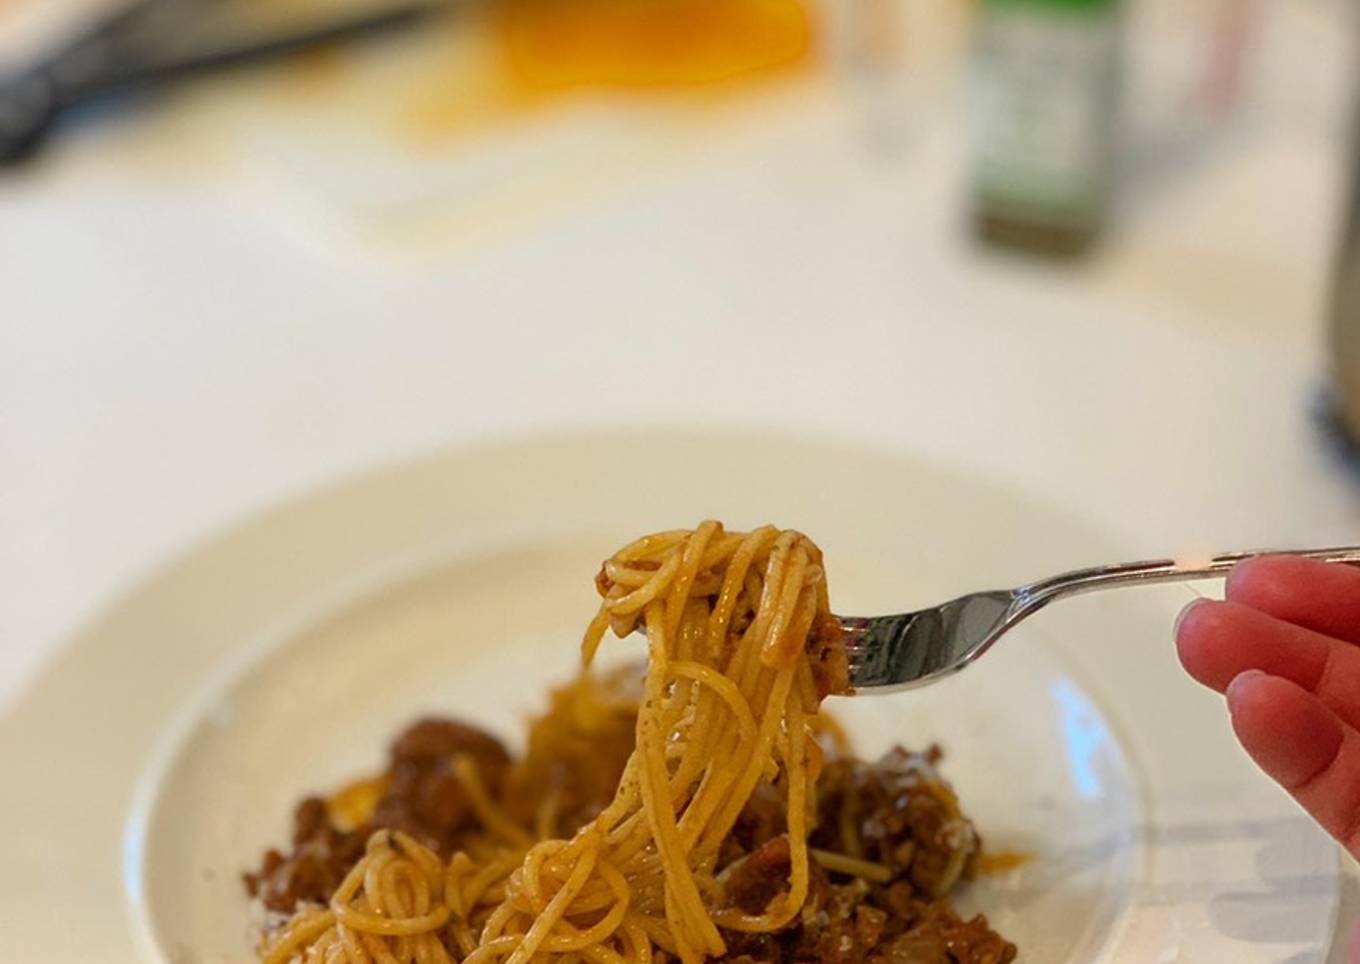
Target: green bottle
<point>1042,112</point>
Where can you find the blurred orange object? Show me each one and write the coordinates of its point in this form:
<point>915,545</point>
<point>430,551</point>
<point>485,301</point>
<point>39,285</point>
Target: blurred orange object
<point>554,45</point>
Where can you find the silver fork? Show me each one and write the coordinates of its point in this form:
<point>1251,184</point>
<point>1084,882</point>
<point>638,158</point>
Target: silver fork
<point>890,653</point>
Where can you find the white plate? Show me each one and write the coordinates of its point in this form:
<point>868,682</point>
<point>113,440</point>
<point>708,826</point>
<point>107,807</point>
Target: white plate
<point>161,751</point>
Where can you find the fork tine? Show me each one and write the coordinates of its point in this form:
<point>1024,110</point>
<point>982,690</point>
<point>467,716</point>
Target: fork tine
<point>911,649</point>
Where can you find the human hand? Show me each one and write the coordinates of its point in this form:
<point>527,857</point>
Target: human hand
<point>1285,649</point>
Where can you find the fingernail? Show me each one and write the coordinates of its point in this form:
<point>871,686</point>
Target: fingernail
<point>1180,618</point>
<point>1246,676</point>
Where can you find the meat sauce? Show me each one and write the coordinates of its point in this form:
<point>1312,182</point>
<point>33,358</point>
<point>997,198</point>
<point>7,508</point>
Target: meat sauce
<point>895,815</point>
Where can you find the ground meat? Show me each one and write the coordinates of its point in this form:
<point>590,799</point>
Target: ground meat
<point>319,860</point>
<point>422,797</point>
<point>969,941</point>
<point>761,820</point>
<point>435,738</point>
<point>896,812</point>
<point>830,665</point>
<point>861,923</point>
<point>922,946</point>
<point>760,876</point>
<point>843,928</point>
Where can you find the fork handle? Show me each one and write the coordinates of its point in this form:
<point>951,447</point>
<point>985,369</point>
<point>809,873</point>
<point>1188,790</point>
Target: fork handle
<point>1034,595</point>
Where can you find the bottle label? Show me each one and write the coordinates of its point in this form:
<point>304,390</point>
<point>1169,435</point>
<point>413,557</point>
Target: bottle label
<point>1042,105</point>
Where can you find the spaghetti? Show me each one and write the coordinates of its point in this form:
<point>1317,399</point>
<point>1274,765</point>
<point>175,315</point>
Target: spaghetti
<point>734,624</point>
<point>389,908</point>
<point>706,814</point>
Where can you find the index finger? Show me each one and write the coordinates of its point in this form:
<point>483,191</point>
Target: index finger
<point>1320,596</point>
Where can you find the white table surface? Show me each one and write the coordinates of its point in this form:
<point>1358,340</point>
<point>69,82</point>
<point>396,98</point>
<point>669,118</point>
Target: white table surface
<point>184,342</point>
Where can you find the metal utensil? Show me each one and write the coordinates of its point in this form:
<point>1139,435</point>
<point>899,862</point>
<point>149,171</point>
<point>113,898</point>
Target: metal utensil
<point>890,653</point>
<point>142,46</point>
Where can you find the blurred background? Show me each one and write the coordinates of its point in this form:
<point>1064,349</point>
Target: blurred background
<point>1097,249</point>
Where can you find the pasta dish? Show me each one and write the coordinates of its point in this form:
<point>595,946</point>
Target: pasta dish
<point>700,808</point>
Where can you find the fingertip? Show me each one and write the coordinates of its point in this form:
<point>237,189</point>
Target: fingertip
<point>1236,691</point>
<point>1321,597</point>
<point>1199,634</point>
<point>1290,734</point>
<point>1184,615</point>
<point>1265,582</point>
<point>1247,698</point>
<point>1253,691</point>
<point>1258,578</point>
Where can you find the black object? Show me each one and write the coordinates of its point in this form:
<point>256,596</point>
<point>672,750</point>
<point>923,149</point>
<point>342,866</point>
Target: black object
<point>1340,444</point>
<point>131,50</point>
